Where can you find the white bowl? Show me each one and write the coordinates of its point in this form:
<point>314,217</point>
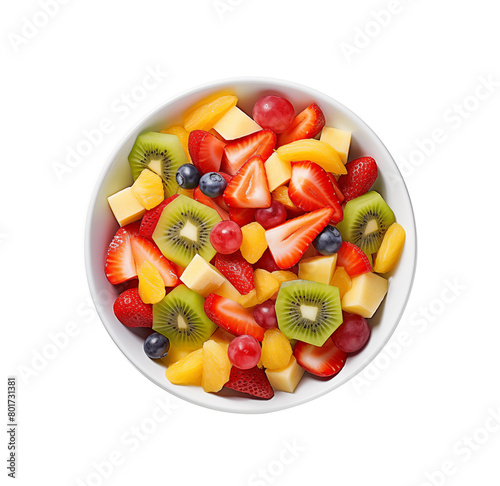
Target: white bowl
<point>116,175</point>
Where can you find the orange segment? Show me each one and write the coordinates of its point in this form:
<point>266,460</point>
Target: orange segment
<point>254,242</point>
<point>151,285</point>
<point>207,115</point>
<point>182,134</point>
<point>280,194</point>
<point>390,250</point>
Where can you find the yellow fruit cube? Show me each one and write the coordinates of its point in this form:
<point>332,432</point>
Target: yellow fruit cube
<point>366,294</point>
<point>207,115</point>
<point>283,276</point>
<point>235,124</point>
<point>340,140</point>
<point>148,189</point>
<point>228,291</point>
<point>390,250</point>
<point>318,269</point>
<point>126,207</point>
<point>202,277</point>
<point>276,350</point>
<point>222,337</point>
<point>182,134</point>
<point>188,370</point>
<point>341,280</point>
<point>315,151</point>
<point>254,242</point>
<point>248,300</point>
<point>278,171</point>
<point>151,284</point>
<point>216,367</point>
<point>286,379</point>
<point>265,285</point>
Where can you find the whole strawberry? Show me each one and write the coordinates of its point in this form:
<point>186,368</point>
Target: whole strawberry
<point>237,270</point>
<point>361,174</point>
<point>131,311</point>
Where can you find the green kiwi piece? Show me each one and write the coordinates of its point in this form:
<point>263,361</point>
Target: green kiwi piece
<point>308,311</point>
<point>183,230</point>
<point>366,219</point>
<point>181,318</point>
<point>160,152</point>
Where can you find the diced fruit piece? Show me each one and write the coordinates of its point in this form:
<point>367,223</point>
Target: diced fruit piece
<point>281,195</point>
<point>239,151</point>
<point>244,352</point>
<point>248,300</point>
<point>222,337</point>
<point>336,187</point>
<point>235,124</point>
<point>340,140</point>
<point>286,379</point>
<point>151,285</point>
<point>274,112</point>
<point>289,241</point>
<point>366,219</point>
<point>156,346</point>
<point>391,249</point>
<point>148,189</point>
<point>211,203</point>
<point>183,230</point>
<point>151,217</point>
<point>352,259</point>
<point>185,192</point>
<point>207,115</point>
<point>315,151</point>
<point>353,334</point>
<point>307,124</point>
<point>228,291</point>
<point>216,367</point>
<point>342,281</point>
<point>272,216</point>
<point>160,152</point>
<point>328,241</point>
<point>175,354</point>
<point>318,269</point>
<point>254,242</point>
<point>180,317</point>
<point>206,151</point>
<point>253,382</point>
<point>188,370</point>
<point>308,311</point>
<point>324,361</point>
<point>360,176</point>
<point>183,135</point>
<point>212,184</point>
<point>265,315</point>
<point>131,311</point>
<point>226,237</point>
<point>278,171</point>
<point>187,177</point>
<point>232,317</point>
<point>265,285</point>
<point>276,350</point>
<point>366,294</point>
<point>310,188</point>
<point>242,216</point>
<point>126,207</point>
<point>120,265</point>
<point>202,277</point>
<point>237,270</point>
<point>283,276</point>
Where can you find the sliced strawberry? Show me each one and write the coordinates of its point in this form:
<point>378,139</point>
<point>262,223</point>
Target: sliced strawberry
<point>335,185</point>
<point>307,124</point>
<point>266,262</point>
<point>353,259</point>
<point>290,240</point>
<point>310,188</point>
<point>220,199</point>
<point>325,361</point>
<point>131,311</point>
<point>151,217</point>
<point>200,197</point>
<point>252,382</point>
<point>120,266</point>
<point>145,250</point>
<point>361,174</point>
<point>232,317</point>
<point>206,151</point>
<point>242,217</point>
<point>237,270</point>
<point>249,188</point>
<point>237,152</point>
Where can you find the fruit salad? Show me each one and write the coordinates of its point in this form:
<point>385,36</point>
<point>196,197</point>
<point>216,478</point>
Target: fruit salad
<point>252,246</point>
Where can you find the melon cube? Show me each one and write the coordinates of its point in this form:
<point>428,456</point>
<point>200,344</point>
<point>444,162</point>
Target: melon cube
<point>286,379</point>
<point>366,293</point>
<point>340,140</point>
<point>235,124</point>
<point>126,207</point>
<point>278,171</point>
<point>318,269</point>
<point>202,277</point>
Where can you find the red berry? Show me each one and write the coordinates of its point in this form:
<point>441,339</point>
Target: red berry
<point>265,315</point>
<point>271,216</point>
<point>361,174</point>
<point>226,237</point>
<point>244,352</point>
<point>237,270</point>
<point>273,112</point>
<point>131,311</point>
<point>352,335</point>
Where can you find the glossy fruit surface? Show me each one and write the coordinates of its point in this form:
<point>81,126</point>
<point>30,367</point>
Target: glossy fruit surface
<point>212,184</point>
<point>226,237</point>
<point>271,216</point>
<point>244,352</point>
<point>265,315</point>
<point>187,176</point>
<point>353,334</point>
<point>328,241</point>
<point>156,346</point>
<point>273,112</point>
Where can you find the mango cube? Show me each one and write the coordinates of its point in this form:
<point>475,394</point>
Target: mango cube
<point>279,172</point>
<point>228,291</point>
<point>340,140</point>
<point>366,294</point>
<point>202,277</point>
<point>341,280</point>
<point>206,114</point>
<point>235,124</point>
<point>286,379</point>
<point>126,207</point>
<point>318,269</point>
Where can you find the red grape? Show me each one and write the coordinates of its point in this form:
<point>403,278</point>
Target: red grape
<point>226,237</point>
<point>265,315</point>
<point>272,216</point>
<point>244,352</point>
<point>273,112</point>
<point>353,334</point>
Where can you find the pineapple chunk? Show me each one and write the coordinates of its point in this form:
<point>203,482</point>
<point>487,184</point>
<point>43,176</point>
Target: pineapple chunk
<point>254,242</point>
<point>265,285</point>
<point>282,276</point>
<point>286,379</point>
<point>276,350</point>
<point>202,277</point>
<point>340,140</point>
<point>188,370</point>
<point>391,249</point>
<point>222,337</point>
<point>175,354</point>
<point>126,207</point>
<point>151,284</point>
<point>342,281</point>
<point>216,367</point>
<point>366,294</point>
<point>278,171</point>
<point>205,116</point>
<point>318,269</point>
<point>148,189</point>
<point>235,124</point>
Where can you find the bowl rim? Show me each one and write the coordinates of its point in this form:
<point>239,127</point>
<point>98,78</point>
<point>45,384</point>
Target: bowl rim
<point>230,407</point>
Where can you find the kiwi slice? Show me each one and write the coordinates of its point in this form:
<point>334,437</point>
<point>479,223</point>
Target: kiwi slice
<point>366,219</point>
<point>160,152</point>
<point>181,318</point>
<point>308,311</point>
<point>183,230</point>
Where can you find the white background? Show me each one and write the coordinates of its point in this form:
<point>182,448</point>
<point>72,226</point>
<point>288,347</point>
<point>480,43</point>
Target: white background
<point>436,384</point>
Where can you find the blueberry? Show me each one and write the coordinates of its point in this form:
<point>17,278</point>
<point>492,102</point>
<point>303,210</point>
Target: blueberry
<point>212,184</point>
<point>187,176</point>
<point>328,241</point>
<point>156,346</point>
